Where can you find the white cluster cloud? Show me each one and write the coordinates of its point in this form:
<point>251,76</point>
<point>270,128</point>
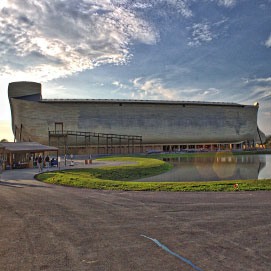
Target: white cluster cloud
<point>201,32</point>
<point>55,38</point>
<point>206,31</point>
<point>181,6</point>
<point>226,3</point>
<point>155,89</point>
<point>119,85</point>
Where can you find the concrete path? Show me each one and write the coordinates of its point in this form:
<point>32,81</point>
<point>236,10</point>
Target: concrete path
<point>95,163</point>
<point>49,227</point>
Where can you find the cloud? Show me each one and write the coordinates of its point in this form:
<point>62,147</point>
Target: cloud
<point>156,89</point>
<point>50,39</point>
<point>260,94</point>
<point>152,89</point>
<point>139,5</point>
<point>206,31</point>
<point>210,91</point>
<point>116,83</point>
<point>268,42</point>
<point>201,32</point>
<point>257,80</point>
<point>179,6</point>
<point>259,89</point>
<point>119,85</point>
<point>182,6</point>
<point>44,40</point>
<point>226,3</point>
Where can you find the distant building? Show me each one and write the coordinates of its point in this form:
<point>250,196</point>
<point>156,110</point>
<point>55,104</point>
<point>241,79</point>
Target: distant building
<point>126,126</point>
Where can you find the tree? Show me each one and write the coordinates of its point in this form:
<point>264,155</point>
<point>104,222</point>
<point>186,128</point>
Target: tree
<point>268,141</point>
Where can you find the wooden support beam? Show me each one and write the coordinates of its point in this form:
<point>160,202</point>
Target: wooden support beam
<point>21,131</point>
<point>49,138</point>
<point>107,145</point>
<point>98,144</point>
<point>10,160</point>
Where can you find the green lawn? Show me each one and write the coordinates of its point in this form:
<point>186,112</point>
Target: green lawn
<point>121,178</point>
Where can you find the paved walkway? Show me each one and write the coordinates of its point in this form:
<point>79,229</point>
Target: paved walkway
<point>50,227</point>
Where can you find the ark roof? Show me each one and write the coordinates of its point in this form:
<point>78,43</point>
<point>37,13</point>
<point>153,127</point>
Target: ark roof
<point>138,102</point>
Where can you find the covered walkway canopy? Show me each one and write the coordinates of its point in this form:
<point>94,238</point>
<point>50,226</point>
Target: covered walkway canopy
<point>22,154</point>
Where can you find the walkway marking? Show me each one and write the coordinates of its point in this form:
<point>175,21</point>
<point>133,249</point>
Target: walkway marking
<point>171,252</point>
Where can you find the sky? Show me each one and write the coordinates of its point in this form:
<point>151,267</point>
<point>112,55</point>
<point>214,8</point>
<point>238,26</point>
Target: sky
<point>187,50</point>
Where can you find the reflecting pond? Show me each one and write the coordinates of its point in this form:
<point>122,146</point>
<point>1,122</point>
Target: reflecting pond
<point>224,166</point>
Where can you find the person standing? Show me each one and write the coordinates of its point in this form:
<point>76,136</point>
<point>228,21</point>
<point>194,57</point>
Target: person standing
<point>52,162</point>
<point>47,161</point>
<point>40,163</point>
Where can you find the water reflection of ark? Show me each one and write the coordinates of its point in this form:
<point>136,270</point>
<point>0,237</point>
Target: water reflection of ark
<point>220,167</point>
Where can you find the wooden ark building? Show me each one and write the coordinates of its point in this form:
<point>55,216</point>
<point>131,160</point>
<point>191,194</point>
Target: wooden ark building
<point>129,126</point>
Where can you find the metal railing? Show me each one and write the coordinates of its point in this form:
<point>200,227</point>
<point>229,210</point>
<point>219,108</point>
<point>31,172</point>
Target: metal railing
<point>109,138</point>
<point>93,134</point>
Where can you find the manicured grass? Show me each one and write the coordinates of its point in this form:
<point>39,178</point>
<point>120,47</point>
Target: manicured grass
<point>142,168</point>
<point>119,178</point>
<point>102,177</point>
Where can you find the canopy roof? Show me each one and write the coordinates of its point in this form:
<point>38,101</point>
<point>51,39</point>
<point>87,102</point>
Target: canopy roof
<point>25,147</point>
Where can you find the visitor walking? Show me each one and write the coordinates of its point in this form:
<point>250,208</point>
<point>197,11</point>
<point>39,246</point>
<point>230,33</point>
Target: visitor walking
<point>52,162</point>
<point>72,163</point>
<point>39,162</point>
<point>47,161</point>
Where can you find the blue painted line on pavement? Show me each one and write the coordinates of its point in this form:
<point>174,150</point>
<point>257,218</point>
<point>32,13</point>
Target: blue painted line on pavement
<point>171,252</point>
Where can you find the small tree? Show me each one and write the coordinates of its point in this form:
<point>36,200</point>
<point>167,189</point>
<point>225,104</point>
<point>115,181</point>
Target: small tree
<point>4,140</point>
<point>268,141</point>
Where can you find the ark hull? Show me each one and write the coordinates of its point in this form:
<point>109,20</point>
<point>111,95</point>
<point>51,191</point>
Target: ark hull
<point>158,122</point>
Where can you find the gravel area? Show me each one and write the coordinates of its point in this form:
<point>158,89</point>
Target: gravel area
<point>50,227</point>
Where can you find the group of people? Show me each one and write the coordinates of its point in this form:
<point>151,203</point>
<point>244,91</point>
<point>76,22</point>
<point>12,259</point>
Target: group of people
<point>47,161</point>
